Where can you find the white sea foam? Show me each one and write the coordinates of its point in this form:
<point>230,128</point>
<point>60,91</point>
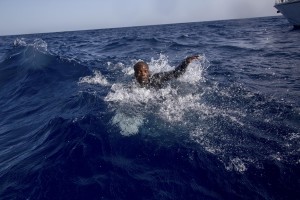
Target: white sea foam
<point>294,136</point>
<point>277,156</point>
<point>236,164</point>
<point>129,125</point>
<point>167,103</point>
<point>160,65</point>
<point>20,42</point>
<point>194,72</point>
<point>37,43</point>
<point>129,95</point>
<point>97,78</point>
<point>175,106</point>
<point>202,137</point>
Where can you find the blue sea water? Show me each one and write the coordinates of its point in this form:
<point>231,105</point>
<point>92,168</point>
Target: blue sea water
<point>74,124</point>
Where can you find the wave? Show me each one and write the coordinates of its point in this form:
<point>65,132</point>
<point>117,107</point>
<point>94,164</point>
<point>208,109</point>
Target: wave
<point>31,64</point>
<point>177,44</point>
<point>54,146</point>
<point>36,85</point>
<point>103,162</point>
<point>240,47</point>
<point>94,154</point>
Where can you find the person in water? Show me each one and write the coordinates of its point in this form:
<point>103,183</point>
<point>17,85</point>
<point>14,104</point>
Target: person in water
<point>145,79</point>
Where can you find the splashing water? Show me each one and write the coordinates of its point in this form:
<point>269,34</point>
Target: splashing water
<point>98,78</point>
<point>37,43</point>
<point>170,103</point>
<point>184,104</point>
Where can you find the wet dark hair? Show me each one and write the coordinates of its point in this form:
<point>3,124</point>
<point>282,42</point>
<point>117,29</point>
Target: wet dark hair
<point>139,65</point>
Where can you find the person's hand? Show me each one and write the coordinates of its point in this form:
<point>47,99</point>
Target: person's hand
<point>190,59</point>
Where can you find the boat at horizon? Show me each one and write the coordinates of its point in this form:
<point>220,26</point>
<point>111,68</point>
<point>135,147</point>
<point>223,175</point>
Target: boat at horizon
<point>290,9</point>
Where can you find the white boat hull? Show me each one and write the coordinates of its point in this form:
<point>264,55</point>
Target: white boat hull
<point>291,11</point>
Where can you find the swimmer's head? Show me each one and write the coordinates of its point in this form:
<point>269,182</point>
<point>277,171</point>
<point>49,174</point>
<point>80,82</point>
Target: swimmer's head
<point>141,72</point>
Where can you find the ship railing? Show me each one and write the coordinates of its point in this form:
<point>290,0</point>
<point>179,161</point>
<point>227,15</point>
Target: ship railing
<point>284,1</point>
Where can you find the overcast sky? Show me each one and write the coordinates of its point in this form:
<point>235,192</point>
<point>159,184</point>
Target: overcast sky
<point>35,16</point>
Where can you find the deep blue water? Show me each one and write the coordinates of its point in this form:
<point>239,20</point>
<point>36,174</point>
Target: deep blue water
<point>74,124</point>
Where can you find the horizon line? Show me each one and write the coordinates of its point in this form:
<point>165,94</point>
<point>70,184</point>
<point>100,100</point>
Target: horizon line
<point>120,27</point>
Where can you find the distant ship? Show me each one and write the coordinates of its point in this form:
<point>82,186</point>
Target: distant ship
<point>290,9</point>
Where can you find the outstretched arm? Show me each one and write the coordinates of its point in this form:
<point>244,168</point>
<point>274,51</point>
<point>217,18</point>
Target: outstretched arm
<point>182,67</point>
<point>178,71</point>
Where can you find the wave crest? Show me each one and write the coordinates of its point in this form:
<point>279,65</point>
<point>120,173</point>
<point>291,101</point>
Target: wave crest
<point>37,44</point>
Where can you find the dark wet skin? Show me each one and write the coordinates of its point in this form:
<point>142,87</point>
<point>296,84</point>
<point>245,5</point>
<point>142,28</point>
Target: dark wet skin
<point>142,75</point>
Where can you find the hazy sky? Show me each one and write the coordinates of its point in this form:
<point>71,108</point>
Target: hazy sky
<point>34,16</point>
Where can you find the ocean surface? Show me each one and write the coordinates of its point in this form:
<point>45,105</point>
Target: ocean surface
<point>75,125</point>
